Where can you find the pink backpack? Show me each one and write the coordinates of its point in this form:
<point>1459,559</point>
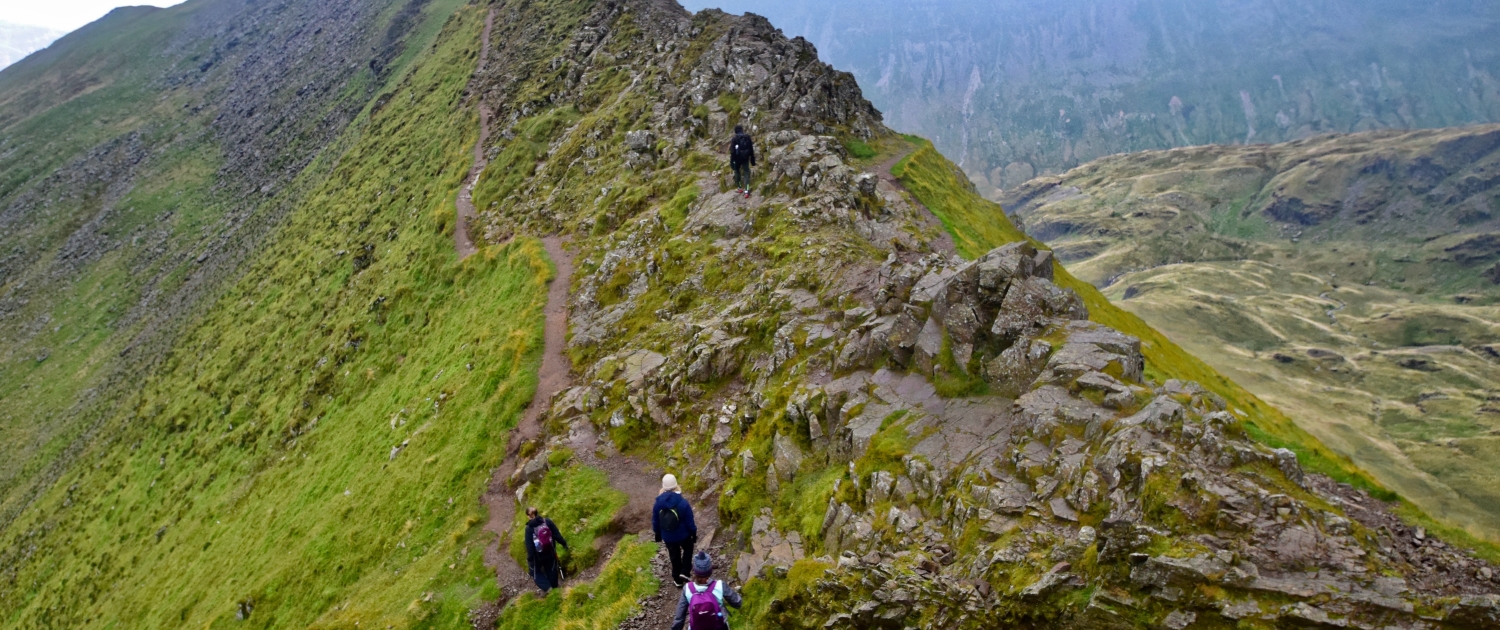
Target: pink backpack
<point>705,612</point>
<point>543,539</point>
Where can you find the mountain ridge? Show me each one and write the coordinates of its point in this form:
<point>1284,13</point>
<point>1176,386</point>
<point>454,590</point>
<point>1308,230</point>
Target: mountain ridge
<point>309,447</point>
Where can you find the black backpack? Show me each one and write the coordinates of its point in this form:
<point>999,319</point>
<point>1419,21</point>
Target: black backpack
<point>741,148</point>
<point>668,520</point>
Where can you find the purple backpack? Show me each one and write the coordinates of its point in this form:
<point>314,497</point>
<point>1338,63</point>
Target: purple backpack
<point>704,610</point>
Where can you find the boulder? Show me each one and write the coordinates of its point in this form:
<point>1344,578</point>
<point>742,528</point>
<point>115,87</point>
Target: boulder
<point>640,141</point>
<point>786,456</point>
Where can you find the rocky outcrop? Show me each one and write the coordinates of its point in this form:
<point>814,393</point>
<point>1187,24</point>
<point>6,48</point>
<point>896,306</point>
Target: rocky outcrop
<point>948,441</point>
<point>1038,89</point>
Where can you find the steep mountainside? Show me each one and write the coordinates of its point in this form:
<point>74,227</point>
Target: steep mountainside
<point>1352,280</point>
<point>276,297</point>
<point>229,289</point>
<point>1016,88</point>
<point>17,41</point>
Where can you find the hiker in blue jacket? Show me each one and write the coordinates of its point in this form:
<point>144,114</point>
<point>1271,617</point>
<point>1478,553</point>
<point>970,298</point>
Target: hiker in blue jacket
<point>672,522</point>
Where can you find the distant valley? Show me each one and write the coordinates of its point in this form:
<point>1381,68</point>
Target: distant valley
<point>1353,281</point>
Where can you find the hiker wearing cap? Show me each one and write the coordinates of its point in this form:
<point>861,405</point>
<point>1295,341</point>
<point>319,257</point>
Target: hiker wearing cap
<point>672,522</point>
<point>542,538</point>
<point>701,606</point>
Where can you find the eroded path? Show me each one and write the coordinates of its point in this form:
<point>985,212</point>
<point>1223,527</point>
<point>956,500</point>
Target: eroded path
<point>462,241</point>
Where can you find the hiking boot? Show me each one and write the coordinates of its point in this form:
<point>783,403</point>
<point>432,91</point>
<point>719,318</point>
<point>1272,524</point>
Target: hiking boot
<point>747,194</point>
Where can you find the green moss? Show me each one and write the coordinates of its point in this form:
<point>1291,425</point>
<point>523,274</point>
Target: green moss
<point>731,104</point>
<point>859,149</point>
<point>954,382</point>
<point>519,158</point>
<point>802,505</point>
<point>887,447</point>
<point>674,213</point>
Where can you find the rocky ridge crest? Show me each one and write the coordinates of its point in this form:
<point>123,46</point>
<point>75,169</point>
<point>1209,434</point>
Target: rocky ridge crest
<point>938,441</point>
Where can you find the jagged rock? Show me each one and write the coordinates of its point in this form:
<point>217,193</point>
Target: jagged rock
<point>637,366</point>
<point>901,521</point>
<point>1476,611</point>
<point>1017,367</point>
<point>640,141</point>
<point>1179,619</point>
<point>747,463</point>
<point>787,456</point>
<point>1286,460</point>
<point>1050,581</point>
<point>532,471</point>
<point>881,485</point>
<point>850,321</point>
<point>1091,348</point>
<point>925,353</point>
<point>1244,609</point>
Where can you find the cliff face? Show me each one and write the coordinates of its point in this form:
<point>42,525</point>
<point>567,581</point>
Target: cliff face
<point>1350,279</point>
<point>893,435</point>
<point>1018,89</point>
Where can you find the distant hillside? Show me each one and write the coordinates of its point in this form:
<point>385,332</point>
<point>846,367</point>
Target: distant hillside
<point>17,41</point>
<point>1015,88</point>
<point>1353,280</point>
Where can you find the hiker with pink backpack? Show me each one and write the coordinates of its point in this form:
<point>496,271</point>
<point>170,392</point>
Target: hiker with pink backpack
<point>542,538</point>
<point>701,606</point>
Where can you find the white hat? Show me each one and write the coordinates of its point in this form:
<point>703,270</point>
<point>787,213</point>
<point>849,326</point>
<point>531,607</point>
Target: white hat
<point>669,484</point>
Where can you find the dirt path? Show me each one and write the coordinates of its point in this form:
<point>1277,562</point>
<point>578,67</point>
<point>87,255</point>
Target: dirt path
<point>944,242</point>
<point>462,241</point>
<point>499,499</point>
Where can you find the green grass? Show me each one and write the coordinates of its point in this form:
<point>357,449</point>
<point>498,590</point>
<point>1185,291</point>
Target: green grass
<point>518,159</point>
<point>859,149</point>
<point>254,470</point>
<point>582,503</point>
<point>603,603</point>
<point>978,225</point>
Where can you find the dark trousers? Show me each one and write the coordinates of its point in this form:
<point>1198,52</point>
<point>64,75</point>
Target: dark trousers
<point>546,571</point>
<point>741,174</point>
<point>681,555</point>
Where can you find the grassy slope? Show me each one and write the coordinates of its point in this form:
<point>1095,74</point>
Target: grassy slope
<point>257,475</point>
<point>110,317</point>
<point>979,225</point>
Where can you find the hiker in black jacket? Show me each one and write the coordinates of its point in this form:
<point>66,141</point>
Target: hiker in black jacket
<point>542,538</point>
<point>741,158</point>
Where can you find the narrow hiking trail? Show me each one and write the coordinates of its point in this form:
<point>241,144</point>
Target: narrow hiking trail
<point>635,478</point>
<point>462,241</point>
<point>554,376</point>
<point>944,242</point>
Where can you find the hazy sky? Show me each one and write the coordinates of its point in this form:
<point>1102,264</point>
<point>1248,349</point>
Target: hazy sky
<point>65,15</point>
